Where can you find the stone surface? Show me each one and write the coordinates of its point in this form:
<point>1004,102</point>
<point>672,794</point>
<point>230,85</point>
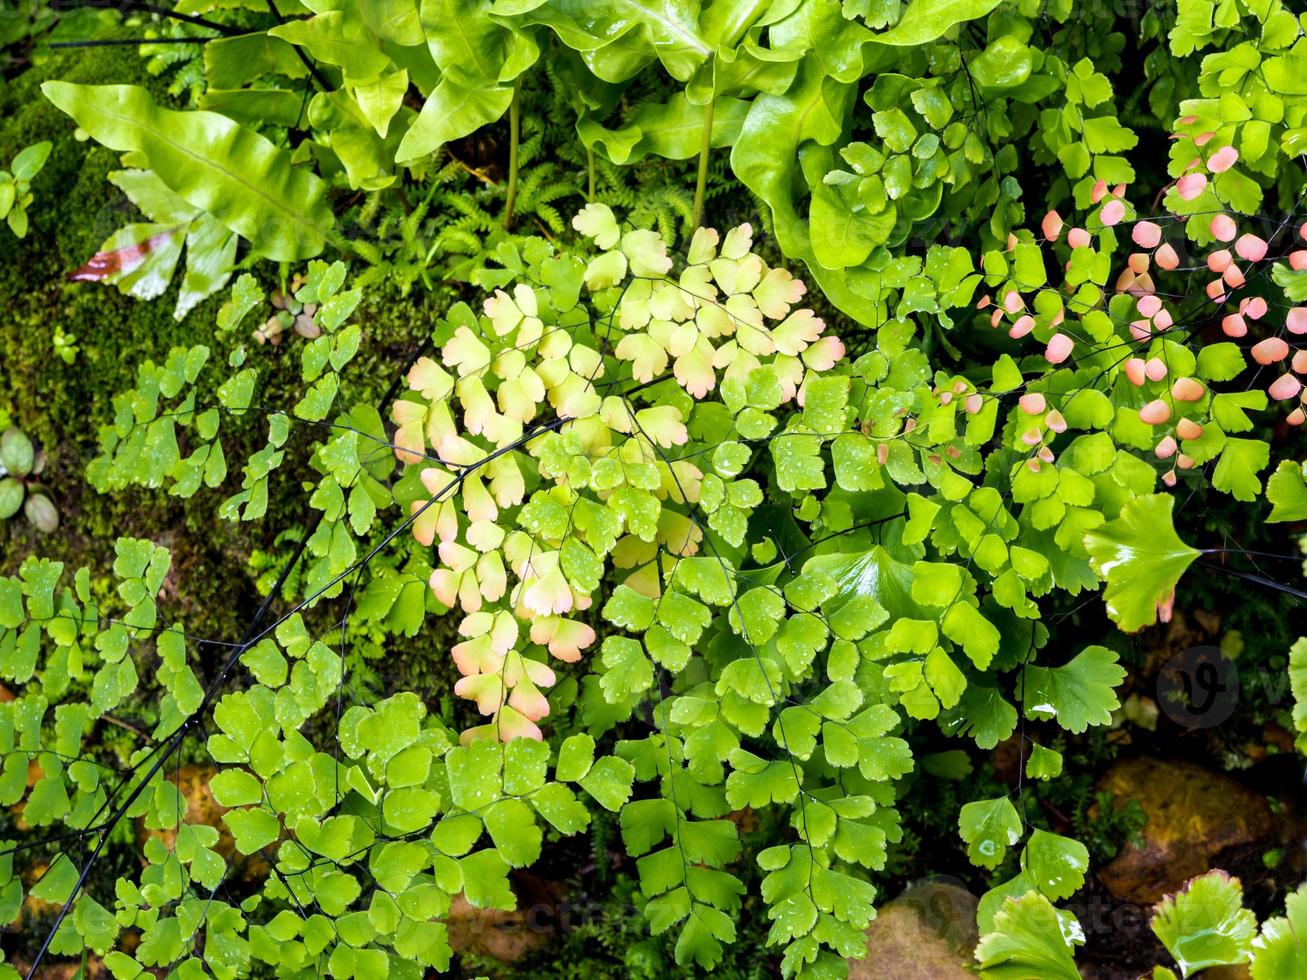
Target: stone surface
<point>927,933</point>
<point>505,935</point>
<point>1193,815</point>
<point>508,936</point>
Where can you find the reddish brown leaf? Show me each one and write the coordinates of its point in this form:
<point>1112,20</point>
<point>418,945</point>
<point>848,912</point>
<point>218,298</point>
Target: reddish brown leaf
<point>105,265</point>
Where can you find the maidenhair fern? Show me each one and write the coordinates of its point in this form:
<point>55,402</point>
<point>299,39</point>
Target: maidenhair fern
<point>719,536</point>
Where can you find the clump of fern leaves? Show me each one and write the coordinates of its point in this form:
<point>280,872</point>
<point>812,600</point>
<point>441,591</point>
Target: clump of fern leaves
<point>458,217</point>
<point>181,65</point>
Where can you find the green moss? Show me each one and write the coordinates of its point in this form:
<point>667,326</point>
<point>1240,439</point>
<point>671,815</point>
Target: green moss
<point>74,208</point>
<point>62,406</point>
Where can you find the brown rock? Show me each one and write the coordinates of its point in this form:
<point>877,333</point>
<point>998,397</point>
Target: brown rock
<point>1193,815</point>
<point>1180,634</point>
<point>506,936</point>
<point>927,933</point>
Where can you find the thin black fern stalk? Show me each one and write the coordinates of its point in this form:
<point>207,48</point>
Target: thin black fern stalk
<point>308,62</point>
<point>132,41</point>
<point>173,746</point>
<point>151,8</point>
<point>514,138</point>
<point>705,147</point>
<point>590,173</point>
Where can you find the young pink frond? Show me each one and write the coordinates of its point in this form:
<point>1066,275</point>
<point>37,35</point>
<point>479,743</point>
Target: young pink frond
<point>1059,348</point>
<point>565,638</point>
<point>1112,213</point>
<point>647,358</point>
<point>477,656</point>
<point>409,418</point>
<point>796,332</point>
<point>504,314</point>
<point>428,378</point>
<point>1167,258</point>
<point>487,690</point>
<point>550,593</point>
<point>1156,412</point>
<point>1223,159</point>
<point>1272,350</point>
<point>1187,390</point>
<point>510,724</point>
<point>824,354</point>
<point>1284,387</point>
<point>477,502</point>
<point>598,222</point>
<point>527,699</point>
<point>1233,325</point>
<point>703,246</point>
<point>1032,403</point>
<point>465,352</point>
<point>664,425</point>
<point>491,576</point>
<point>1250,248</point>
<point>1146,234</point>
<point>738,242</point>
<point>694,372</point>
<point>777,292</point>
<point>1191,186</point>
<point>1223,228</point>
<point>1023,325</point>
<point>432,520</point>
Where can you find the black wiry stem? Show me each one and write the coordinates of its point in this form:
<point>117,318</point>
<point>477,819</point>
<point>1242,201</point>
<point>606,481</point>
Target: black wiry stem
<point>134,41</point>
<point>308,62</point>
<point>154,8</point>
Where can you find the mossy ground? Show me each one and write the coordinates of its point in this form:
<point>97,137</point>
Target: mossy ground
<point>213,588</point>
<point>61,406</point>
